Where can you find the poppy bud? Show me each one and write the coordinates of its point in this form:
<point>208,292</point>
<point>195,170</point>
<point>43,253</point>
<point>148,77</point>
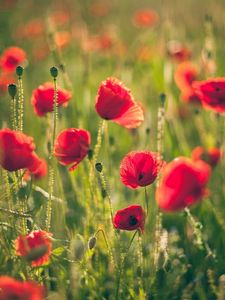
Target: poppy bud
<point>19,71</point>
<point>12,90</point>
<point>54,72</point>
<point>147,130</point>
<point>162,98</point>
<point>92,242</point>
<point>104,193</point>
<point>90,154</point>
<point>99,167</point>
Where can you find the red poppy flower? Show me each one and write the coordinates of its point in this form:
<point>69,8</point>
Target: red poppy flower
<point>101,43</point>
<point>43,98</point>
<point>114,102</point>
<point>182,184</point>
<point>32,29</point>
<point>35,247</point>
<point>5,80</point>
<point>145,18</point>
<point>177,51</point>
<point>71,146</point>
<point>16,150</point>
<point>130,218</point>
<point>211,93</point>
<point>140,168</point>
<point>11,58</point>
<point>38,169</point>
<point>12,289</point>
<point>185,74</point>
<point>211,156</point>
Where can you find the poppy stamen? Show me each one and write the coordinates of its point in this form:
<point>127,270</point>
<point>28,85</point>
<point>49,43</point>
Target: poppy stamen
<point>133,220</point>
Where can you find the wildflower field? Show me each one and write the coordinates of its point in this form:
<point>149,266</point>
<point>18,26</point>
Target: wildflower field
<point>112,152</point>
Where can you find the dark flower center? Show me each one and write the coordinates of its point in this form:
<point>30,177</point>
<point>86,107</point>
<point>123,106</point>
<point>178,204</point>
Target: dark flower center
<point>133,220</point>
<point>217,89</point>
<point>141,175</point>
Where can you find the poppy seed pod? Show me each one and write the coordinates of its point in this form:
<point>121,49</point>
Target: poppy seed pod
<point>99,167</point>
<point>19,71</point>
<point>12,90</point>
<point>92,242</point>
<point>54,72</point>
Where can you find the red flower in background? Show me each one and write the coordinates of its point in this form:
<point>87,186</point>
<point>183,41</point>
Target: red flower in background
<point>130,218</point>
<point>145,18</point>
<point>185,74</point>
<point>43,98</point>
<point>16,150</point>
<point>5,80</point>
<point>177,51</point>
<point>211,92</point>
<point>71,146</point>
<point>11,289</point>
<point>140,168</point>
<point>114,102</point>
<point>11,58</point>
<point>35,247</point>
<point>183,183</point>
<point>211,155</point>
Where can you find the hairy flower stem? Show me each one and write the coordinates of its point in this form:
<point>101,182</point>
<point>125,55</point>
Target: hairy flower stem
<point>146,200</point>
<point>107,193</point>
<point>123,265</point>
<point>7,194</point>
<point>20,104</point>
<point>13,114</point>
<point>14,213</point>
<point>99,140</point>
<point>197,230</point>
<point>160,135</point>
<point>51,166</point>
<point>109,247</point>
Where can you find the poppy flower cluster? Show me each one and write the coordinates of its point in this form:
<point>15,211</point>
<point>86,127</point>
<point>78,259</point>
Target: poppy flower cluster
<point>211,156</point>
<point>115,102</point>
<point>130,218</point>
<point>140,168</point>
<point>11,289</point>
<point>35,247</point>
<point>71,146</point>
<point>211,92</point>
<point>183,183</point>
<point>43,98</point>
<point>185,74</point>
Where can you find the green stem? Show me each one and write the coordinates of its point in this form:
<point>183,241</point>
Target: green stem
<point>107,245</point>
<point>20,104</point>
<point>146,200</point>
<point>51,167</point>
<point>123,265</point>
<point>99,140</point>
<point>197,229</point>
